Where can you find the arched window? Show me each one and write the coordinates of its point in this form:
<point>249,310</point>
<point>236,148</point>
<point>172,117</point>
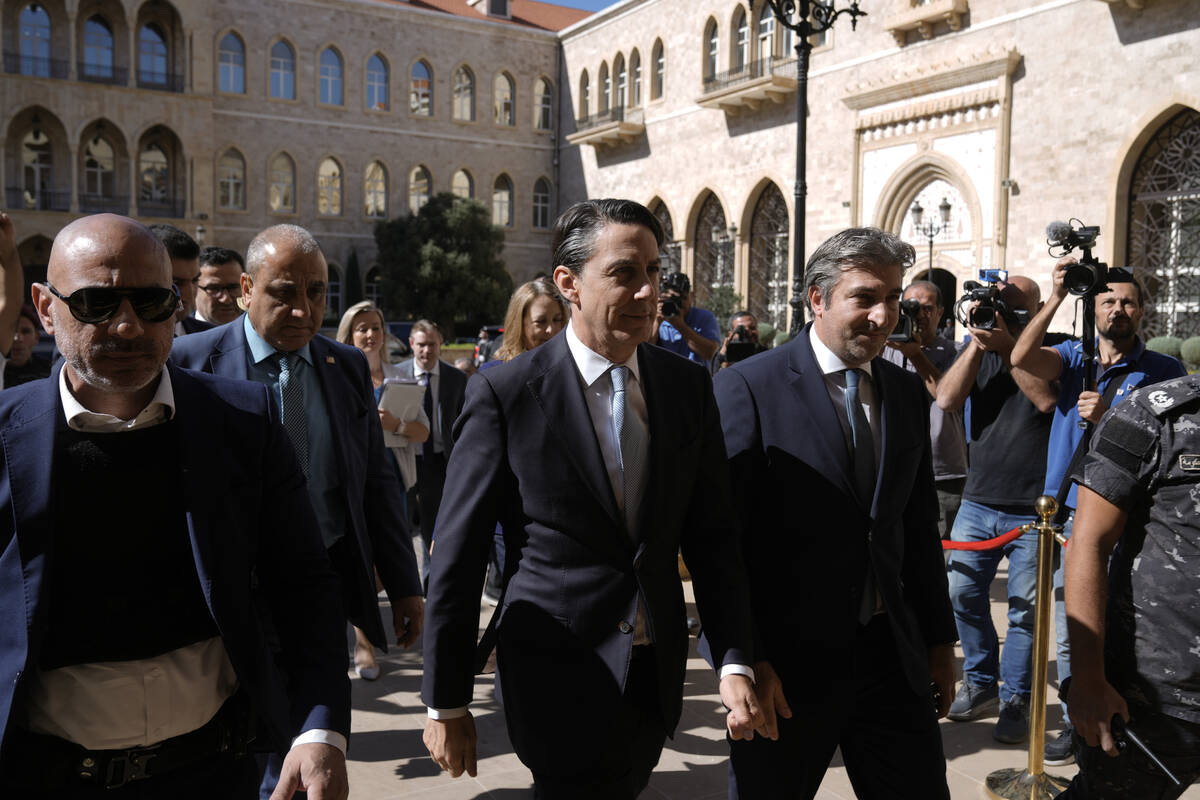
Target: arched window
<point>375,191</point>
<point>543,105</point>
<point>621,82</point>
<point>541,203</point>
<point>585,100</point>
<point>37,161</point>
<point>420,188</point>
<point>97,48</point>
<point>741,41</point>
<point>282,191</point>
<point>154,175</point>
<point>329,188</point>
<point>283,71</point>
<point>420,91</point>
<point>503,103</point>
<point>658,80</point>
<point>231,65</point>
<point>331,77</point>
<point>670,250</point>
<point>605,88</point>
<point>713,247</point>
<point>766,34</point>
<point>35,41</point>
<point>502,202</point>
<point>768,285</point>
<point>712,49</point>
<point>231,181</point>
<point>152,56</point>
<point>377,84</point>
<point>464,94</point>
<point>462,185</point>
<point>635,79</point>
<point>99,169</point>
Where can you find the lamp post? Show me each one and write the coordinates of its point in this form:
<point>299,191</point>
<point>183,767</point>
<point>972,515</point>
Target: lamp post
<point>932,228</point>
<point>805,18</point>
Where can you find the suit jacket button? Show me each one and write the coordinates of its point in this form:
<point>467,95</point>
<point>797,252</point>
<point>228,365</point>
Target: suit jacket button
<point>625,627</point>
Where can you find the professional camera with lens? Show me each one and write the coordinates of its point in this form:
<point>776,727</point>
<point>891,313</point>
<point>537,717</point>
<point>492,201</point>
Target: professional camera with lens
<point>740,345</point>
<point>671,306</point>
<point>1089,277</point>
<point>675,288</point>
<point>907,326</point>
<point>990,305</point>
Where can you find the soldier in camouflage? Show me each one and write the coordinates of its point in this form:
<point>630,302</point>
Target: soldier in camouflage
<point>1135,634</point>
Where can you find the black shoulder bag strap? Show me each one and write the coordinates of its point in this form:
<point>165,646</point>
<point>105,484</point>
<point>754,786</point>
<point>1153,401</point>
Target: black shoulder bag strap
<point>1114,383</point>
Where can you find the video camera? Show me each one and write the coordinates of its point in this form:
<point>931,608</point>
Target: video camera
<point>907,326</point>
<point>740,346</point>
<point>1089,277</point>
<point>986,294</point>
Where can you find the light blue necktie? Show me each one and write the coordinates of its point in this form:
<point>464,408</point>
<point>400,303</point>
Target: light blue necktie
<point>631,440</point>
<point>295,420</point>
<point>863,460</point>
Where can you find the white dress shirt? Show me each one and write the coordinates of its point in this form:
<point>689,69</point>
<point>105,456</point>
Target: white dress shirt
<point>435,379</point>
<point>833,369</point>
<point>120,704</point>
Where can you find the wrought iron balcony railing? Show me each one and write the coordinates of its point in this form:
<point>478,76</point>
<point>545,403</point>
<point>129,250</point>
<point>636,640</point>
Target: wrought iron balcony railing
<point>776,65</point>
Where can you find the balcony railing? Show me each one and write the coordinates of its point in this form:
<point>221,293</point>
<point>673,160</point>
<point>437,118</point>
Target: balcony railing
<point>767,80</point>
<point>20,199</point>
<point>615,114</point>
<point>776,65</point>
<point>95,73</point>
<point>17,64</point>
<point>163,81</point>
<point>161,208</point>
<point>613,126</point>
<point>104,204</point>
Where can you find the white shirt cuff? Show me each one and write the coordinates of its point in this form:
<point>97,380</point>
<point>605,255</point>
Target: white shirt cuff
<point>447,713</point>
<point>321,736</point>
<point>738,669</point>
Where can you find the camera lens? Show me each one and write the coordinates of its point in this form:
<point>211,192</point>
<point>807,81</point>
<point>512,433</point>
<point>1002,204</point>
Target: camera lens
<point>983,317</point>
<point>1080,279</point>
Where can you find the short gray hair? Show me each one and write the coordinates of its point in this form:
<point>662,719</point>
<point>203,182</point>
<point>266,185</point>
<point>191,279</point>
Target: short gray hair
<point>295,238</point>
<point>850,249</point>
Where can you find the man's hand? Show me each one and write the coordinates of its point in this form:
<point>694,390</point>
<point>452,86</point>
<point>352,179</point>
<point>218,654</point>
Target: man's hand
<point>1059,288</point>
<point>319,769</point>
<point>941,672</point>
<point>408,617</point>
<point>909,350</point>
<point>770,698</point>
<point>389,421</point>
<point>1093,705</point>
<point>745,716</point>
<point>1091,406</point>
<point>997,340</point>
<point>451,742</point>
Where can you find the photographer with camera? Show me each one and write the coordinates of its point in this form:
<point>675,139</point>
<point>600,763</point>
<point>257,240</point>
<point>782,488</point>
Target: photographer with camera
<point>923,351</point>
<point>1122,364</point>
<point>683,328</point>
<point>1008,419</point>
<point>742,341</point>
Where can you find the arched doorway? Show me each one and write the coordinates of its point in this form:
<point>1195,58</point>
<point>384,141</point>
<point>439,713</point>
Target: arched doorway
<point>671,261</point>
<point>768,278</point>
<point>1164,227</point>
<point>713,248</point>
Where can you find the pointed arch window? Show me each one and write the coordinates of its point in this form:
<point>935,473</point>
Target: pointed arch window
<point>766,34</point>
<point>420,91</point>
<point>543,109</point>
<point>504,104</point>
<point>331,77</point>
<point>585,100</point>
<point>658,80</point>
<point>502,202</point>
<point>35,41</point>
<point>377,84</point>
<point>464,94</point>
<point>97,48</point>
<point>283,71</point>
<point>99,169</point>
<point>462,185</point>
<point>741,41</point>
<point>329,188</point>
<point>231,181</point>
<point>712,44</point>
<point>152,56</point>
<point>282,190</point>
<point>541,203</point>
<point>37,162</point>
<point>231,65</point>
<point>420,188</point>
<point>620,82</point>
<point>605,88</point>
<point>375,191</point>
<point>635,79</point>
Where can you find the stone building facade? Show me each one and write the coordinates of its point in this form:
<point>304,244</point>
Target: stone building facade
<point>1015,112</point>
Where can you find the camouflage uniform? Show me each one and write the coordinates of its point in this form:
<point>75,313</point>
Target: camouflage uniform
<point>1145,459</point>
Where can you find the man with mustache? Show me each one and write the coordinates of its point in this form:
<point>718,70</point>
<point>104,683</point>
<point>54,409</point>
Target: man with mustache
<point>1122,364</point>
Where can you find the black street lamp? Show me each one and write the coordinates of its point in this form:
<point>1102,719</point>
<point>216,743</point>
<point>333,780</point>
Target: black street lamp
<point>932,228</point>
<point>805,18</point>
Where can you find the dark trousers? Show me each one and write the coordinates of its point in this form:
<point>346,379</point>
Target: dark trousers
<point>431,479</point>
<point>949,494</point>
<point>1132,774</point>
<point>888,733</point>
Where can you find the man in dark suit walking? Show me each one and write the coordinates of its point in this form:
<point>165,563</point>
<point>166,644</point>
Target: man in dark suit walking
<point>849,589</point>
<point>445,387</point>
<point>185,272</point>
<point>601,456</point>
<point>129,540</point>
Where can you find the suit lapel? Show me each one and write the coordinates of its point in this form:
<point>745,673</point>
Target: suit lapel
<point>890,417</point>
<point>228,358</point>
<point>660,426</point>
<point>828,453</point>
<point>198,468</point>
<point>336,398</point>
<point>557,388</point>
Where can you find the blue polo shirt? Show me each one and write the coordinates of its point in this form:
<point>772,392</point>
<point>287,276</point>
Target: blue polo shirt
<point>702,321</point>
<point>1141,367</point>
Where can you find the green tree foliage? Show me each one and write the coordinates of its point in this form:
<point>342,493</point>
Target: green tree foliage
<point>444,264</point>
<point>722,302</point>
<point>1168,345</point>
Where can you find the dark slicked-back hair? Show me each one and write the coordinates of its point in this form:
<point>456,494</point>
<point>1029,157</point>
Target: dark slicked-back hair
<point>576,229</point>
<point>216,256</point>
<point>179,245</point>
<point>850,249</point>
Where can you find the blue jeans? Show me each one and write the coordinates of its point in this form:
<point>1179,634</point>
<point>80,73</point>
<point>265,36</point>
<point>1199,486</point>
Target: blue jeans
<point>1063,653</point>
<point>971,574</point>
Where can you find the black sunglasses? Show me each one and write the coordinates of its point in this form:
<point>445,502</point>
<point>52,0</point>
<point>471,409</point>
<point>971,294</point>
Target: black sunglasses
<point>98,304</point>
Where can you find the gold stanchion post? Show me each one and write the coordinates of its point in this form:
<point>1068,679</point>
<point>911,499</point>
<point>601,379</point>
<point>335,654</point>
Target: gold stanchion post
<point>1033,783</point>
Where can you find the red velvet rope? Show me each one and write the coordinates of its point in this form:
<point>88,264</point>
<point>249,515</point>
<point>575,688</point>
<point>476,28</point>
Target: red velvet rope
<point>985,544</point>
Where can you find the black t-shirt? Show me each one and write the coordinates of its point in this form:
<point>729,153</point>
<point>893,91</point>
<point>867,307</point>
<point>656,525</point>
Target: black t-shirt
<point>1008,437</point>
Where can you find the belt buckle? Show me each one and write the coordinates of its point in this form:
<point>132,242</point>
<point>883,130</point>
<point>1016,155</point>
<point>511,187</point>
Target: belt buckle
<point>129,766</point>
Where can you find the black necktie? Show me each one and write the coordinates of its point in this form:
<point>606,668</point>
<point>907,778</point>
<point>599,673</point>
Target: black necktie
<point>863,458</point>
<point>295,420</point>
<point>427,404</point>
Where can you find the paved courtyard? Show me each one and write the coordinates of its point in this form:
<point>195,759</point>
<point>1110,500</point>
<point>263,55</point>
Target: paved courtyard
<point>388,759</point>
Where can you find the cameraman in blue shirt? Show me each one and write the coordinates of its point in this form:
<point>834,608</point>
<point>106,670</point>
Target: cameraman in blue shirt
<point>683,328</point>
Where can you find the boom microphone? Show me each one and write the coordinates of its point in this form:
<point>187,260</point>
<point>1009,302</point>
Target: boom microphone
<point>1057,233</point>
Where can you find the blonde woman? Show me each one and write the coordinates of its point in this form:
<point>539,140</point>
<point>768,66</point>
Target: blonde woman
<point>535,314</point>
<point>362,326</point>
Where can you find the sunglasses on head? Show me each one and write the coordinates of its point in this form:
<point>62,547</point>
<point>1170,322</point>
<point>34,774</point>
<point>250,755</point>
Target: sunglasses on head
<point>97,304</point>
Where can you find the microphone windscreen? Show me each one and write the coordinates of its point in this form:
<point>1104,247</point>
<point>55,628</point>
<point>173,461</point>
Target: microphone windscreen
<point>1057,231</point>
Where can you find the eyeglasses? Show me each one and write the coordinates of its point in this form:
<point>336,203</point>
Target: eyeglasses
<point>98,304</point>
<point>214,289</point>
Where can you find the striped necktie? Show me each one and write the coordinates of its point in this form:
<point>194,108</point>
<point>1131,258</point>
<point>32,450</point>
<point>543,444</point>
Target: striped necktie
<point>295,420</point>
<point>632,445</point>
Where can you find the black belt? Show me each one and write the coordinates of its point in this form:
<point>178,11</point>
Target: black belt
<point>48,762</point>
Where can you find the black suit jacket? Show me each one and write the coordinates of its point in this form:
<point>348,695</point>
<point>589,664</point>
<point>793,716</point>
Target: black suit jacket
<point>192,325</point>
<point>806,537</point>
<point>528,456</point>
<point>376,531</point>
<point>452,388</point>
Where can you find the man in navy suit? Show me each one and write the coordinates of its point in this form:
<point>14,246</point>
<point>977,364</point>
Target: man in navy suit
<point>848,584</point>
<point>130,538</point>
<point>600,456</point>
<point>185,272</point>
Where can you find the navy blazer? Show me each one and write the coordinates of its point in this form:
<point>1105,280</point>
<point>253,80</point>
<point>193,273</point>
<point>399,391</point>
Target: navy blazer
<point>249,519</point>
<point>806,536</point>
<point>372,489</point>
<point>452,388</point>
<point>528,456</point>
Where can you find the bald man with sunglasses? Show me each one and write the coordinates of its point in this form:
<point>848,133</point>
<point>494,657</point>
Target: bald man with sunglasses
<point>138,551</point>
